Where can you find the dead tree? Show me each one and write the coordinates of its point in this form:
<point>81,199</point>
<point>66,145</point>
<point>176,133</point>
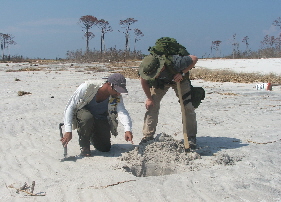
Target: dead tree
<point>126,25</point>
<point>215,45</point>
<point>104,27</point>
<point>6,40</point>
<point>245,40</point>
<point>87,22</point>
<point>138,34</point>
<point>277,23</point>
<point>235,46</point>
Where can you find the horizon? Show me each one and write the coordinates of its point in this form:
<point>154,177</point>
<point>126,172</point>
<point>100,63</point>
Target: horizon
<point>48,30</point>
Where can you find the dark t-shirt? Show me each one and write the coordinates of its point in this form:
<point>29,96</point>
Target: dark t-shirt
<point>98,109</point>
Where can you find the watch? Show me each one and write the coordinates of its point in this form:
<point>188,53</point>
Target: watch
<point>183,74</point>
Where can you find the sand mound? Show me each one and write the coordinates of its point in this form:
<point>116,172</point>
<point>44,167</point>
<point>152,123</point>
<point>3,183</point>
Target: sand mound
<point>161,156</point>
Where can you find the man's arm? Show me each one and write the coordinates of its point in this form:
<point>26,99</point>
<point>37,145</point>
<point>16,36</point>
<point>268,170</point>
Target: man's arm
<point>69,113</point>
<point>149,101</point>
<point>189,67</point>
<point>184,66</point>
<point>125,119</point>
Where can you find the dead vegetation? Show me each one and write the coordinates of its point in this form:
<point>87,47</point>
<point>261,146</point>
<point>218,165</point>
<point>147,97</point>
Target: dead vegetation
<point>21,93</point>
<point>130,70</point>
<point>217,76</point>
<point>231,76</point>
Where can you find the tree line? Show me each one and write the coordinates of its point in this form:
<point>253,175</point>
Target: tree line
<point>88,21</point>
<point>270,46</point>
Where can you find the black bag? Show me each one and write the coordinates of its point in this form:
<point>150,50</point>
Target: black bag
<point>197,94</point>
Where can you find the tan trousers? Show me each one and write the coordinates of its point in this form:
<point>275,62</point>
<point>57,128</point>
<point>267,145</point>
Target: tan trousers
<point>151,116</point>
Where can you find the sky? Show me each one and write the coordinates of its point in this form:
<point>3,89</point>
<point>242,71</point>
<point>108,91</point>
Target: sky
<point>49,28</point>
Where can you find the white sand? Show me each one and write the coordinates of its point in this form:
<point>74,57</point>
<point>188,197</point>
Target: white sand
<point>238,141</point>
<point>262,66</point>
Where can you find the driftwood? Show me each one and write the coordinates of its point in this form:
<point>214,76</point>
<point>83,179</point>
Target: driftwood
<point>262,142</point>
<point>110,185</point>
<point>27,189</point>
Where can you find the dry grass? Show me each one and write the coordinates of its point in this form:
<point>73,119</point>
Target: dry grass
<point>231,76</point>
<point>24,69</point>
<point>217,76</point>
<point>125,64</point>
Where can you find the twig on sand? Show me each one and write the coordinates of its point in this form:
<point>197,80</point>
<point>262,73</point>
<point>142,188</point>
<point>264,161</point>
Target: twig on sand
<point>110,185</point>
<point>25,188</point>
<point>262,142</point>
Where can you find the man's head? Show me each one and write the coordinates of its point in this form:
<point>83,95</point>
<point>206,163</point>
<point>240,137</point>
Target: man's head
<point>118,82</point>
<point>151,66</point>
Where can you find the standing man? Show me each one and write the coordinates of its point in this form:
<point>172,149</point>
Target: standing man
<point>158,74</point>
<point>93,109</point>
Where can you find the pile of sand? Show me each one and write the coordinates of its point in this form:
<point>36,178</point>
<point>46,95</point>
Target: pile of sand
<point>162,156</point>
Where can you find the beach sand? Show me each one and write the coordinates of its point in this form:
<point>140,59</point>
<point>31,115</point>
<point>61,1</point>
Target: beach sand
<point>238,141</point>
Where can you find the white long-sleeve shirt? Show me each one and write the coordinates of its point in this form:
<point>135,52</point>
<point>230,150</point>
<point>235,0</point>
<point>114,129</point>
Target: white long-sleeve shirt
<point>83,95</point>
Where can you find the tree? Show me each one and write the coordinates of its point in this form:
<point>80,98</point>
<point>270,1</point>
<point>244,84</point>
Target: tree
<point>245,40</point>
<point>215,45</point>
<point>138,34</point>
<point>104,27</point>
<point>235,46</point>
<point>87,22</point>
<point>6,40</point>
<point>277,23</point>
<point>126,24</point>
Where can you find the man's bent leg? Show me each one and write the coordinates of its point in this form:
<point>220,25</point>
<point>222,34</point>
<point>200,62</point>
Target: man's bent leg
<point>101,136</point>
<point>151,115</point>
<point>191,123</point>
<point>85,129</point>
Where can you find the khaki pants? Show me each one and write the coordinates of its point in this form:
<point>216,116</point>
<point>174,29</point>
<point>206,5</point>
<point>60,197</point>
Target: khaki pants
<point>151,116</point>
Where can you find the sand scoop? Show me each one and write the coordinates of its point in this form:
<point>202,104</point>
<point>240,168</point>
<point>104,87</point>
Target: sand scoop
<point>66,158</point>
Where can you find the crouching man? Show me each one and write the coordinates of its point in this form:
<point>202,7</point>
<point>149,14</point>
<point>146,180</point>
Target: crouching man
<point>93,109</point>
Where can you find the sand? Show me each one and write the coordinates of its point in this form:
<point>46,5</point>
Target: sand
<point>237,156</point>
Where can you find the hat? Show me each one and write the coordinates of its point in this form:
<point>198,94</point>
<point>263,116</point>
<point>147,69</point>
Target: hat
<point>119,82</point>
<point>151,66</point>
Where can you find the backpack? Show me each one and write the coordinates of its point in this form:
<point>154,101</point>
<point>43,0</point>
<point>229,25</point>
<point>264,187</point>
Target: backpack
<point>168,46</point>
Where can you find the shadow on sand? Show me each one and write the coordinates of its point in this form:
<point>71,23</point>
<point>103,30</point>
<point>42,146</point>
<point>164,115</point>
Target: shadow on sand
<point>207,146</point>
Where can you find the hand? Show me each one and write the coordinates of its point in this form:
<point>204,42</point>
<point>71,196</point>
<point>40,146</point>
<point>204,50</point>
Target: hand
<point>66,138</point>
<point>129,136</point>
<point>178,77</point>
<point>149,103</point>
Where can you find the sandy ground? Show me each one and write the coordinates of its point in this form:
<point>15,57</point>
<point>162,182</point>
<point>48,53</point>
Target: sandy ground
<point>237,159</point>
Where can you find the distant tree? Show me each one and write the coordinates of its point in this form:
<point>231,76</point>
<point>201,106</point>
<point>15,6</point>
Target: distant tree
<point>138,35</point>
<point>104,27</point>
<point>245,40</point>
<point>268,41</point>
<point>87,22</point>
<point>6,40</point>
<point>277,23</point>
<point>235,46</point>
<point>215,45</point>
<point>126,24</point>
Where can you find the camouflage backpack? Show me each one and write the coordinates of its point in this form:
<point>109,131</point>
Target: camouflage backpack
<point>168,46</point>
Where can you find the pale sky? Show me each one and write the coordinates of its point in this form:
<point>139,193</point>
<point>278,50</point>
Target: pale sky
<point>48,29</point>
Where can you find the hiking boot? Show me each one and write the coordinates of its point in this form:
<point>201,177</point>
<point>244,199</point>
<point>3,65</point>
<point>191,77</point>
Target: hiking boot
<point>192,142</point>
<point>146,139</point>
<point>85,151</point>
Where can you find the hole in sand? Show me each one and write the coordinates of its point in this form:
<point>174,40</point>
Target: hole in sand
<point>162,156</point>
